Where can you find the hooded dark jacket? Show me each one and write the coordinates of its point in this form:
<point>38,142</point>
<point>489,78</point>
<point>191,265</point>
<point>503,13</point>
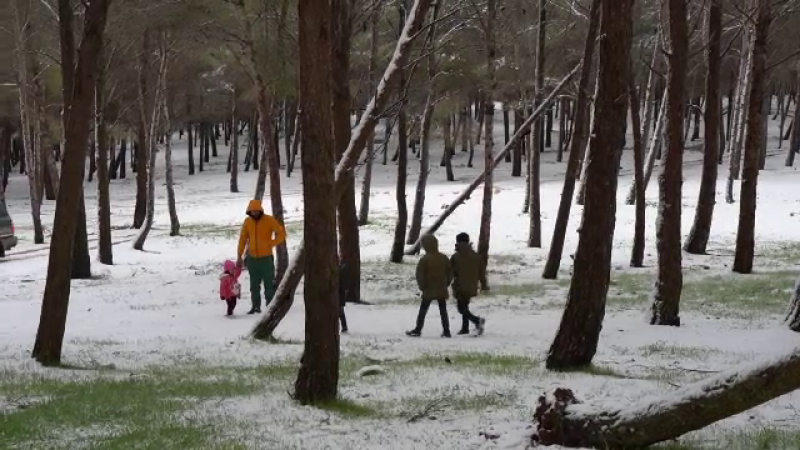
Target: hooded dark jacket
<point>434,273</point>
<point>466,269</point>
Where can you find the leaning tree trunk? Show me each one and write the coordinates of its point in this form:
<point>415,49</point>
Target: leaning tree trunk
<point>562,420</point>
<point>745,235</point>
<point>53,319</point>
<point>396,255</point>
<point>667,295</point>
<point>576,143</point>
<point>794,145</point>
<point>701,230</point>
<point>174,223</point>
<point>284,295</point>
<point>637,252</point>
<point>484,235</point>
<point>366,186</point>
<point>576,341</point>
<point>478,181</point>
<point>539,127</point>
<point>424,168</point>
<point>318,377</point>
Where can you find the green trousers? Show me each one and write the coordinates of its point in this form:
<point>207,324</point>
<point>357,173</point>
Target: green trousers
<point>262,270</point>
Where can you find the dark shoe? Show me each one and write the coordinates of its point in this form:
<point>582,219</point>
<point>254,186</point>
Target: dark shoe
<point>462,332</point>
<point>344,330</point>
<point>481,325</point>
<point>446,334</point>
<point>413,333</point>
<point>254,311</point>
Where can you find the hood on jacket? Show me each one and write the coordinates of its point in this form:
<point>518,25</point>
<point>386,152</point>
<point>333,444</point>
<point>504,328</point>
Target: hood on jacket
<point>254,205</point>
<point>229,266</point>
<point>430,243</point>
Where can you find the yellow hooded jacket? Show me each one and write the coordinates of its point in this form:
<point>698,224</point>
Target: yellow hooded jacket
<point>257,235</point>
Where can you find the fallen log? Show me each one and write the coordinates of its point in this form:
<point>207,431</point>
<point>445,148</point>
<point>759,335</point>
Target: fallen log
<point>521,131</point>
<point>563,420</point>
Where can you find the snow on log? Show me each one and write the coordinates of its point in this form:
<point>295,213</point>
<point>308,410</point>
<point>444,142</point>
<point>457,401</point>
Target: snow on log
<point>464,196</point>
<point>561,419</point>
<point>793,316</point>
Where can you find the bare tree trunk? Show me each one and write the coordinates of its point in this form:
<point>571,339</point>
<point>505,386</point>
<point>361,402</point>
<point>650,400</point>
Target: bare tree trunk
<point>637,252</point>
<point>140,210</point>
<point>150,144</point>
<point>576,143</point>
<point>652,153</point>
<point>424,168</point>
<point>52,323</point>
<point>667,294</point>
<point>576,341</point>
<point>793,315</point>
<point>794,144</point>
<point>190,143</point>
<point>174,223</point>
<point>740,123</point>
<point>318,377</point>
<point>745,235</point>
<point>285,294</point>
<point>701,230</point>
<point>396,255</point>
<point>539,127</point>
<point>349,238</point>
<point>366,186</point>
<point>690,408</point>
<point>234,150</point>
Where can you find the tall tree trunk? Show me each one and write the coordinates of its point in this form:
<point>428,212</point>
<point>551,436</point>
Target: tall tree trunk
<point>174,223</point>
<point>318,377</point>
<point>701,230</point>
<point>745,235</point>
<point>539,127</point>
<point>794,144</point>
<point>637,252</point>
<point>140,210</point>
<point>652,152</point>
<point>366,186</point>
<point>576,143</point>
<point>396,255</point>
<point>576,341</point>
<point>667,295</point>
<point>740,123</point>
<point>349,239</point>
<point>190,143</point>
<point>424,168</point>
<point>484,236</point>
<point>150,144</point>
<point>366,126</point>
<point>234,150</point>
<point>516,160</point>
<point>52,322</point>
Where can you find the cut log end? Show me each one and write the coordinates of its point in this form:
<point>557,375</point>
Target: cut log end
<point>549,417</point>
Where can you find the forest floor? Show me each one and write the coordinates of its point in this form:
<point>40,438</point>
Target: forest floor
<point>153,363</point>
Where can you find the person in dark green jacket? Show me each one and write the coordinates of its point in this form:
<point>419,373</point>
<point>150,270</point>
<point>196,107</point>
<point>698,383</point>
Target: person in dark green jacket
<point>434,275</point>
<point>466,271</point>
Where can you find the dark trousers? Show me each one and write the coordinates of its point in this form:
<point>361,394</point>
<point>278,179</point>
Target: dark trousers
<point>423,311</point>
<point>466,314</point>
<point>231,305</point>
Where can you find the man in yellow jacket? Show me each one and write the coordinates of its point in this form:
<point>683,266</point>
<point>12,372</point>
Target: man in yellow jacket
<point>260,234</point>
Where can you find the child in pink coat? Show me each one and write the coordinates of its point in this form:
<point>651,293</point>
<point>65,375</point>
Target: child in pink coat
<point>229,288</point>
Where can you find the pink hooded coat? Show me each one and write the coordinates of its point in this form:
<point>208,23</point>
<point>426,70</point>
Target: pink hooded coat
<point>229,281</point>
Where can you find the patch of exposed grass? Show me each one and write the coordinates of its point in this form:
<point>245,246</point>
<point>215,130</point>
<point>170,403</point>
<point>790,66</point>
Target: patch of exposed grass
<point>676,351</point>
<point>436,402</point>
<point>758,439</point>
<point>783,253</point>
<point>740,296</point>
<point>503,365</point>
<point>350,409</point>
<point>515,290</point>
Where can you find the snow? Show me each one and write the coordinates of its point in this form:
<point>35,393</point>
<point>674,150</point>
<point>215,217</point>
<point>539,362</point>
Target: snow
<point>160,307</point>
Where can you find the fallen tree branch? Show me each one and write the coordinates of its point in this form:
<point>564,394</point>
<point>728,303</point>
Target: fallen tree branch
<point>563,420</point>
<point>521,131</point>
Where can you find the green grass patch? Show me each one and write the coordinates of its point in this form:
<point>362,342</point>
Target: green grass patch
<point>150,409</point>
<point>516,290</point>
<point>350,409</point>
<point>758,439</point>
<point>740,296</point>
<point>783,253</point>
<point>437,402</point>
<point>676,351</point>
<point>485,363</point>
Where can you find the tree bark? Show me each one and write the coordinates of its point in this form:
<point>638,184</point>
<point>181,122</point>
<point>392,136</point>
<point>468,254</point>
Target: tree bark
<point>745,235</point>
<point>174,223</point>
<point>701,230</point>
<point>190,143</point>
<point>234,149</point>
<point>318,377</point>
<point>794,144</point>
<point>396,255</point>
<point>652,152</point>
<point>576,341</point>
<point>52,322</point>
<point>424,169</point>
<point>576,143</point>
<point>667,295</point>
<point>652,421</point>
<point>285,294</point>
<point>740,123</point>
<point>140,210</point>
<point>637,252</point>
<point>539,128</point>
<point>484,235</point>
<point>366,186</point>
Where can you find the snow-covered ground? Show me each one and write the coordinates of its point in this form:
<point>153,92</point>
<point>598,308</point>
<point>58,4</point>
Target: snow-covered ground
<point>159,308</point>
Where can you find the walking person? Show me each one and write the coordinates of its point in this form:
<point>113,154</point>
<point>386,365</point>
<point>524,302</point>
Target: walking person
<point>466,272</point>
<point>434,275</point>
<point>229,289</point>
<point>260,234</point>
